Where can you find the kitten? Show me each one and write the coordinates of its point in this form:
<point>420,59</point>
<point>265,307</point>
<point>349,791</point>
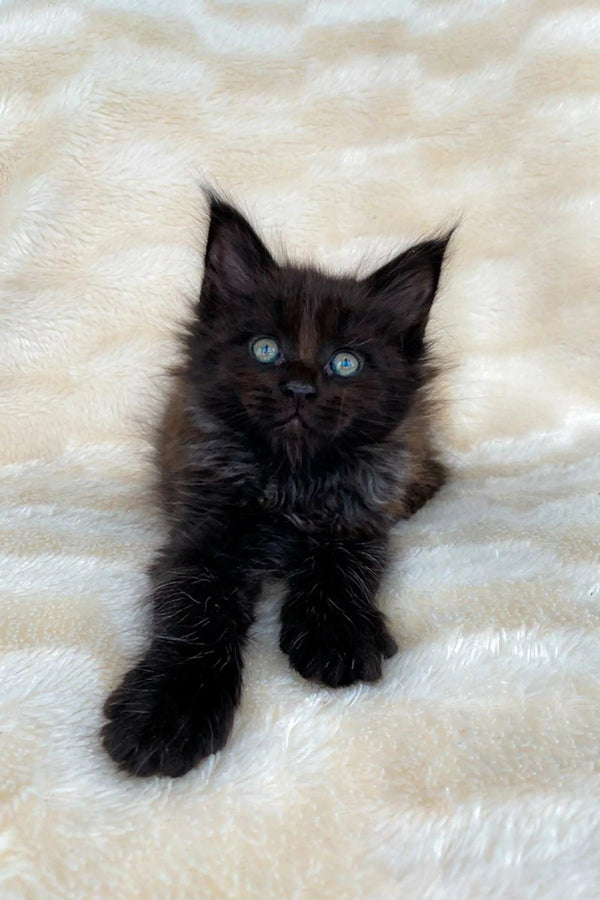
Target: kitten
<point>296,435</point>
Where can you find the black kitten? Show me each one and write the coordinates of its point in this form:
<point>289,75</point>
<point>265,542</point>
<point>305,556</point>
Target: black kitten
<point>296,435</point>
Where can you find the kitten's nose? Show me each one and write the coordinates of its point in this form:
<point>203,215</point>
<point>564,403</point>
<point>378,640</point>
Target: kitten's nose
<point>299,389</point>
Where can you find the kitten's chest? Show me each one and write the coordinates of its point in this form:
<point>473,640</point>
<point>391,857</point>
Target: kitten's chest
<point>341,499</point>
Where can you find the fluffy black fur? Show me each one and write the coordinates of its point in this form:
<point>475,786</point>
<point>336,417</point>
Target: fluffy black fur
<point>286,469</point>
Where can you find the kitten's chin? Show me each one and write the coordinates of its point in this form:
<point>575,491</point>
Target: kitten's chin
<point>294,438</point>
<point>301,439</point>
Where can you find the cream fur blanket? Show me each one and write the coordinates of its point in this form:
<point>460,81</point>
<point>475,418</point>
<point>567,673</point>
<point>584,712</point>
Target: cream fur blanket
<point>346,129</point>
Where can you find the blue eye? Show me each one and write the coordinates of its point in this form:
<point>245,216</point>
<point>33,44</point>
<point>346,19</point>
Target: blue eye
<point>345,363</point>
<point>265,349</point>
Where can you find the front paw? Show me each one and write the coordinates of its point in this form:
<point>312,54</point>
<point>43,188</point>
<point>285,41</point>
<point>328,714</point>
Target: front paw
<point>335,650</point>
<point>164,722</point>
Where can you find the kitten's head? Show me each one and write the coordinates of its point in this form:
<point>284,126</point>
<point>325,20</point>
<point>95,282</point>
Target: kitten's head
<point>303,362</point>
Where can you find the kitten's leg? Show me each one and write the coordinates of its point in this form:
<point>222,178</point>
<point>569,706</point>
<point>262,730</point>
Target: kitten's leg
<point>429,477</point>
<point>331,629</point>
<point>176,705</point>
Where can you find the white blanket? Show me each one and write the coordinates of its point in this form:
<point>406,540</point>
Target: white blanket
<point>346,130</point>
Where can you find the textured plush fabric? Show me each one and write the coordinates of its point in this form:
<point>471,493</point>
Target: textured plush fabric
<point>346,130</point>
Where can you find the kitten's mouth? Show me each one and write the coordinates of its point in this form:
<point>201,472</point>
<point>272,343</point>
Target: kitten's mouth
<point>295,420</point>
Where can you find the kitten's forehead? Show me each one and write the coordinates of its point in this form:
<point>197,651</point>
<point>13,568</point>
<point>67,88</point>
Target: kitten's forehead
<point>311,312</point>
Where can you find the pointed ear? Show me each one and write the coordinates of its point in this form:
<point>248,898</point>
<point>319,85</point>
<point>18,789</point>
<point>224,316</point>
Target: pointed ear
<point>407,286</point>
<point>235,255</point>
